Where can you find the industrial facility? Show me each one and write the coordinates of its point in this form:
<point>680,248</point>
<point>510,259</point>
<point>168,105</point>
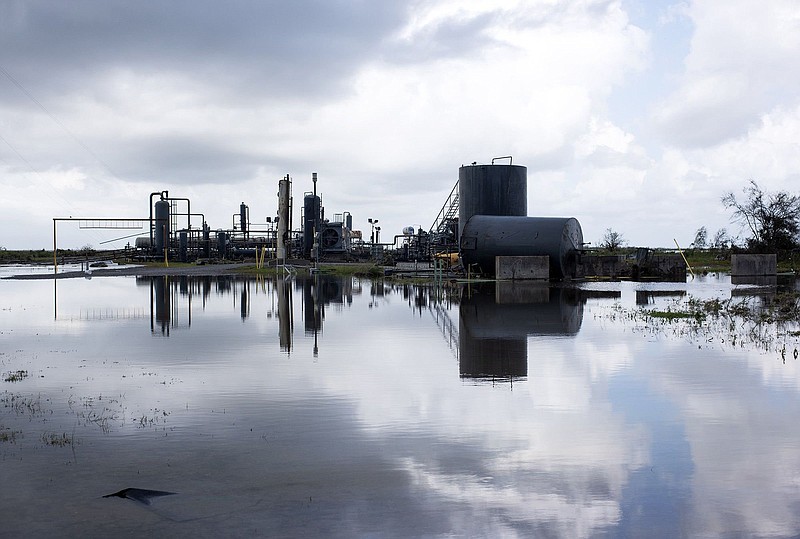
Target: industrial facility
<point>483,228</point>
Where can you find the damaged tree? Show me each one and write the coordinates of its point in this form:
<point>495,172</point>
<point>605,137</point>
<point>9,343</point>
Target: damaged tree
<point>772,218</point>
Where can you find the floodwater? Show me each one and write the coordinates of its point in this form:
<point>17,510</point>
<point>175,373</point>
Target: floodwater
<point>352,408</point>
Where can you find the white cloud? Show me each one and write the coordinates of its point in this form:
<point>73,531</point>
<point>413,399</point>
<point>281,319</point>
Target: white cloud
<point>739,67</point>
<point>386,112</point>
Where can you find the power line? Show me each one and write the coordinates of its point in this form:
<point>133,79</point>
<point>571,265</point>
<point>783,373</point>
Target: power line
<point>58,122</point>
<point>44,180</point>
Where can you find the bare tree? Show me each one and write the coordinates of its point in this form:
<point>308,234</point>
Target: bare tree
<point>612,240</point>
<point>700,238</point>
<point>772,218</point>
<point>720,240</point>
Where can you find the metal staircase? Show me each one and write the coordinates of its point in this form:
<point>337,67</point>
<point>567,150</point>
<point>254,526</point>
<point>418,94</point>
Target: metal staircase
<point>447,215</point>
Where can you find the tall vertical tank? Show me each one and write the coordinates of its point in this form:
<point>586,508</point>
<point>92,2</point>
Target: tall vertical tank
<point>311,218</point>
<point>161,225</point>
<point>284,197</point>
<point>244,212</point>
<point>491,190</point>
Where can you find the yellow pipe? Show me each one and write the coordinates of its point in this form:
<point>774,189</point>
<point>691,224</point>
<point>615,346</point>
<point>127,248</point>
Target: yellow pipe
<point>684,257</point>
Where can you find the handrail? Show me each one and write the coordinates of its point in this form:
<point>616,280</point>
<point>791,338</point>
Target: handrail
<point>446,209</point>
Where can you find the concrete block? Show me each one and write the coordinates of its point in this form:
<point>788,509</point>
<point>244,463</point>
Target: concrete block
<point>754,265</point>
<point>602,266</point>
<point>522,267</point>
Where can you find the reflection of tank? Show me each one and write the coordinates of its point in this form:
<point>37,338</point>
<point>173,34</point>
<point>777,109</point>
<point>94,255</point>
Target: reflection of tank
<point>285,314</point>
<point>646,297</point>
<point>484,237</point>
<point>495,322</point>
<point>160,300</point>
<point>491,190</point>
<point>320,291</point>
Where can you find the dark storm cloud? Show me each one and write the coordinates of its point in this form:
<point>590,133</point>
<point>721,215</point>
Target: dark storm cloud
<point>296,48</point>
<point>184,159</point>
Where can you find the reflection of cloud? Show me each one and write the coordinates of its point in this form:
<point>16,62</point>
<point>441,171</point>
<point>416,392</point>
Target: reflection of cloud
<point>548,455</point>
<point>743,440</point>
<point>613,428</point>
<point>503,509</point>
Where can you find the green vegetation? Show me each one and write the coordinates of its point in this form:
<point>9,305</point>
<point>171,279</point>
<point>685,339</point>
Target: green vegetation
<point>673,315</point>
<point>45,256</point>
<point>343,270</point>
<point>357,270</point>
<point>710,260</point>
<point>782,308</point>
<point>612,241</point>
<point>26,257</point>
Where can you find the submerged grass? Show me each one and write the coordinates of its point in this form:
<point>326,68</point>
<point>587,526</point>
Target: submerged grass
<point>674,315</point>
<point>766,323</point>
<point>58,440</point>
<point>8,435</point>
<point>15,376</point>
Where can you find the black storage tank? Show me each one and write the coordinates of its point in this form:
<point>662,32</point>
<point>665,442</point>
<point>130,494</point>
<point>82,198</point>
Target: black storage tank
<point>311,221</point>
<point>161,225</point>
<point>491,190</point>
<point>486,236</point>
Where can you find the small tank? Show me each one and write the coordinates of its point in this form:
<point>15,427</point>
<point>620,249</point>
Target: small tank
<point>485,237</point>
<point>409,231</point>
<point>222,243</point>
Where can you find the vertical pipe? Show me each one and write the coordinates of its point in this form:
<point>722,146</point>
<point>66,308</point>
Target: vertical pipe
<point>55,249</point>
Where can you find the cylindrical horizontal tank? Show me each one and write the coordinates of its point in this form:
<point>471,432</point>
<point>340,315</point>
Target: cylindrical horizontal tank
<point>408,230</point>
<point>491,190</point>
<point>485,237</point>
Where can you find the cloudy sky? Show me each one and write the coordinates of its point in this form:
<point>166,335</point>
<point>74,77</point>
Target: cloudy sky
<point>634,115</point>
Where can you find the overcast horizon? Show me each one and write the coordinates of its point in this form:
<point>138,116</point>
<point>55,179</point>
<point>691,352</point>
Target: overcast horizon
<point>632,115</point>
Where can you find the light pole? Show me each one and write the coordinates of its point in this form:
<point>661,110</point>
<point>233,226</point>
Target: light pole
<point>372,223</point>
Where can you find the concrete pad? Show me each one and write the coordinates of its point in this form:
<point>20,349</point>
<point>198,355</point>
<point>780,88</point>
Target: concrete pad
<point>754,264</point>
<point>522,267</point>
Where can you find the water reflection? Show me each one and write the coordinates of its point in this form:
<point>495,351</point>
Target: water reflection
<point>614,431</point>
<point>496,319</point>
<point>172,300</point>
<point>648,297</point>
